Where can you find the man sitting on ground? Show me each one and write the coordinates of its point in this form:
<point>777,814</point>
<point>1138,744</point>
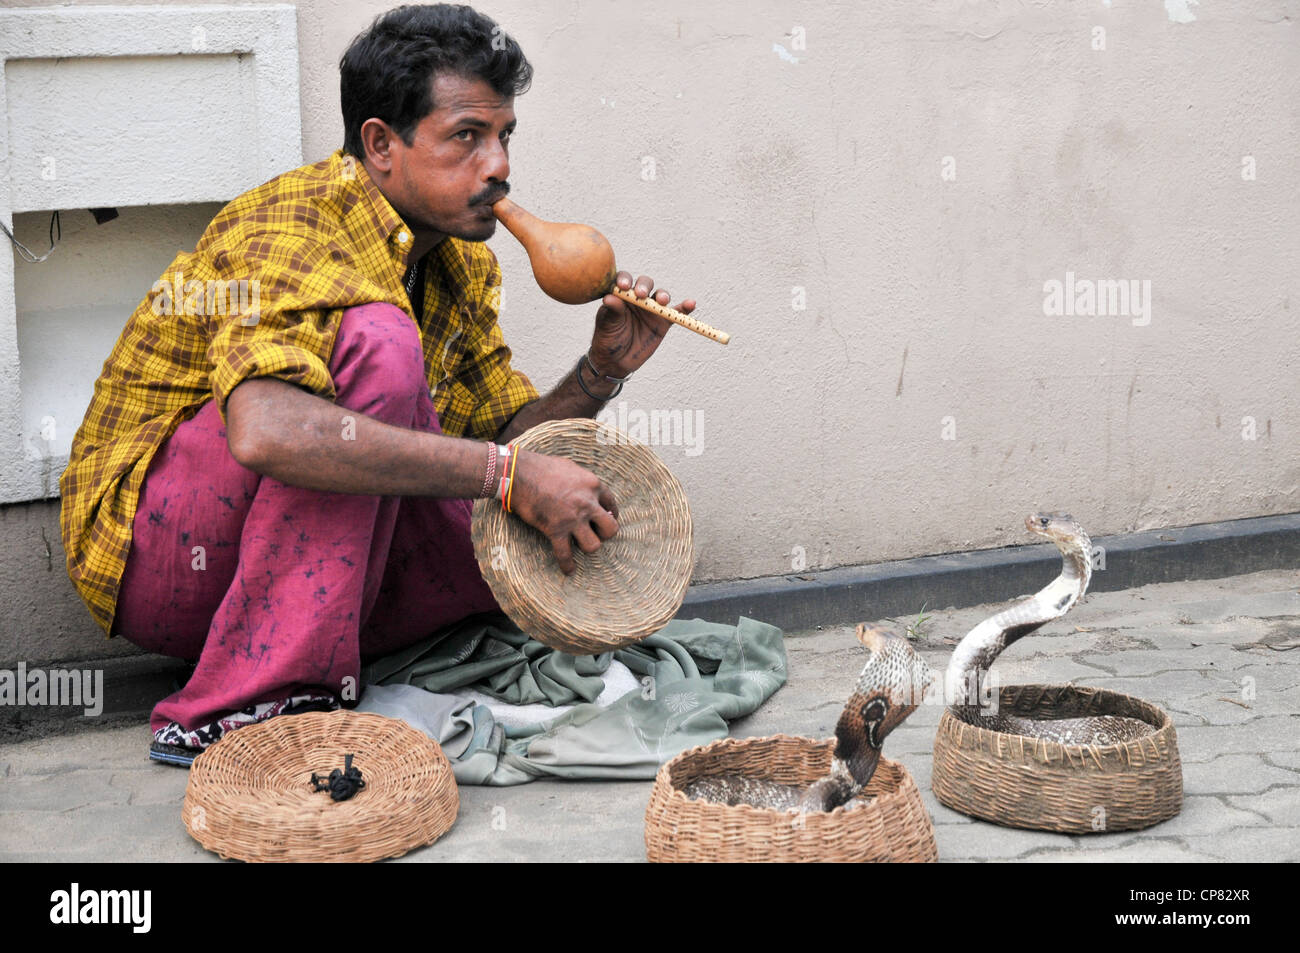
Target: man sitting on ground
<point>280,493</point>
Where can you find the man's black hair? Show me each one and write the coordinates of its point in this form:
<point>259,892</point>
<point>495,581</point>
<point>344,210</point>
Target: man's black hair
<point>387,72</point>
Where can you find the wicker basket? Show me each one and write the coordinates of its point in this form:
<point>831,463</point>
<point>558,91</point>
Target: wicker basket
<point>629,588</point>
<point>250,797</point>
<point>893,826</point>
<point>1020,781</point>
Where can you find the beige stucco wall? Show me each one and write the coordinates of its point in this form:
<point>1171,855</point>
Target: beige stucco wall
<point>804,146</point>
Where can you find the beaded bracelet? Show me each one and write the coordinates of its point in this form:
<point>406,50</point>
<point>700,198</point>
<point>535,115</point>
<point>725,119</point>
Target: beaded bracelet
<point>491,471</point>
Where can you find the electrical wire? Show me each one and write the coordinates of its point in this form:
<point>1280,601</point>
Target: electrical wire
<point>26,253</point>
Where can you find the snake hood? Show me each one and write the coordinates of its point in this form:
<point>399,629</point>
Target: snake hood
<point>892,683</point>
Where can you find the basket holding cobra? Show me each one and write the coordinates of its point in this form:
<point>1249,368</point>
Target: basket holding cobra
<point>885,822</point>
<point>785,798</point>
<point>1034,782</point>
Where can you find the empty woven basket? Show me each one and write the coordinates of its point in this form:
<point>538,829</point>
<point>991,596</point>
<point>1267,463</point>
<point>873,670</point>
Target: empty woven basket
<point>250,797</point>
<point>1020,781</point>
<point>629,588</point>
<point>893,826</point>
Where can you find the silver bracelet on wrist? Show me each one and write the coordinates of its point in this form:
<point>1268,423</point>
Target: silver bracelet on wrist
<point>613,380</point>
<point>503,478</point>
<point>620,381</point>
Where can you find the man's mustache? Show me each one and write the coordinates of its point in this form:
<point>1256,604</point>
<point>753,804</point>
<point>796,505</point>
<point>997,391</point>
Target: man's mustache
<point>492,195</point>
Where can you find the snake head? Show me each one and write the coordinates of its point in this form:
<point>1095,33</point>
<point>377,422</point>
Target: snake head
<point>1061,528</point>
<point>1070,538</point>
<point>894,673</point>
<point>890,686</point>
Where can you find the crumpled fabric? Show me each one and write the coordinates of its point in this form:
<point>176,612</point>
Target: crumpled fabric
<point>695,677</point>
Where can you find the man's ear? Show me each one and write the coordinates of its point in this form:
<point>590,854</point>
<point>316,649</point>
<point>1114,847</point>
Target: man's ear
<point>377,141</point>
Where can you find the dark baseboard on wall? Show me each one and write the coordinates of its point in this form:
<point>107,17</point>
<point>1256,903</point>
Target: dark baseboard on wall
<point>885,590</point>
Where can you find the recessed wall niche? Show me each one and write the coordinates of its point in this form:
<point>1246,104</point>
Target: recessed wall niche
<point>163,112</point>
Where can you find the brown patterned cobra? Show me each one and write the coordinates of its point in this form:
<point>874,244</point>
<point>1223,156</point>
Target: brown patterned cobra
<point>895,679</point>
<point>889,688</point>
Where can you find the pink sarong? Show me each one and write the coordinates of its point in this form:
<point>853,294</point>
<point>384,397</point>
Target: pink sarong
<point>279,591</point>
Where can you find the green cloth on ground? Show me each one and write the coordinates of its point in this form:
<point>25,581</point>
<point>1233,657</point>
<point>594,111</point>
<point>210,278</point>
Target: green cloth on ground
<point>695,677</point>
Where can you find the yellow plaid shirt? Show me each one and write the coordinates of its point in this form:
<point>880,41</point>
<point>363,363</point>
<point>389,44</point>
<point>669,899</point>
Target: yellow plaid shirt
<point>262,296</point>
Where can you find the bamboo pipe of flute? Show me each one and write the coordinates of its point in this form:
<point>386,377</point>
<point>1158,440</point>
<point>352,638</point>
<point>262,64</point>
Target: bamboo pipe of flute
<point>575,264</point>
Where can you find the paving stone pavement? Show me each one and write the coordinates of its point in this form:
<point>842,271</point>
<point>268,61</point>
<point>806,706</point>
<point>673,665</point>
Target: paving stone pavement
<point>1216,654</point>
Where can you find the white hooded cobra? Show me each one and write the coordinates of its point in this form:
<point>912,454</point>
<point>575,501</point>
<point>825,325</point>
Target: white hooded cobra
<point>963,685</point>
<point>966,682</point>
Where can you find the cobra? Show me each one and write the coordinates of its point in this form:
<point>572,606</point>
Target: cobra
<point>966,680</point>
<point>892,683</point>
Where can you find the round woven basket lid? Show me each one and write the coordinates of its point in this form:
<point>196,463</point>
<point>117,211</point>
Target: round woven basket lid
<point>250,795</point>
<point>630,587</point>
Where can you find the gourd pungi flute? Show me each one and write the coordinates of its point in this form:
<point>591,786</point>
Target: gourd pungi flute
<point>575,264</point>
